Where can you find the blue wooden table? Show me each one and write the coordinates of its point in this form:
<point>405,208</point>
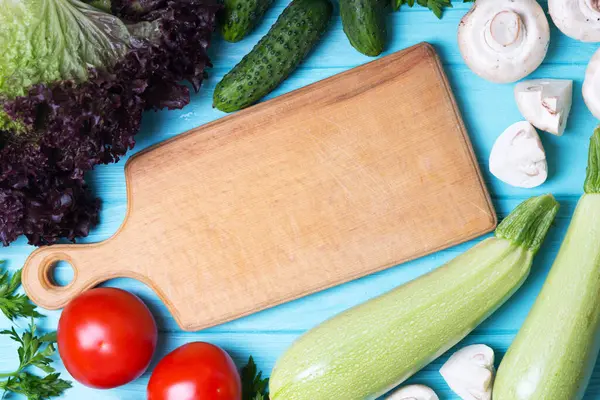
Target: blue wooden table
<point>487,109</point>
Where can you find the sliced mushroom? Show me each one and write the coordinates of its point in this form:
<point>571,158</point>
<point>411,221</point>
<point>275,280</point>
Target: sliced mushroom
<point>413,392</point>
<point>579,19</point>
<point>545,103</point>
<point>470,372</point>
<point>518,157</point>
<point>504,40</point>
<point>591,85</point>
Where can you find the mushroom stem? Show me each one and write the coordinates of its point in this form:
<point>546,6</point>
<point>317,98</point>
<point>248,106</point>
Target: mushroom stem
<point>545,103</point>
<point>518,157</point>
<point>505,30</point>
<point>593,5</point>
<point>470,372</point>
<point>504,40</point>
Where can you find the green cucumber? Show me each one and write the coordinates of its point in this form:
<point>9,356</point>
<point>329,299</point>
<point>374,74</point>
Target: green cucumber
<point>555,351</point>
<point>366,351</point>
<point>364,25</point>
<point>277,54</point>
<point>240,17</point>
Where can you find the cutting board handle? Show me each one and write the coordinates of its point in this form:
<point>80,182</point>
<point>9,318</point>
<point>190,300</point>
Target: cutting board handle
<point>87,273</point>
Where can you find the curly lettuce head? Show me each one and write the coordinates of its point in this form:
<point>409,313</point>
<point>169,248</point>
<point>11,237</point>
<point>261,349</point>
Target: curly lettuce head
<point>51,40</point>
<point>74,82</point>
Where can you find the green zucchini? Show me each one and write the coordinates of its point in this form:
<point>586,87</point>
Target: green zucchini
<point>364,24</point>
<point>556,349</point>
<point>240,17</point>
<point>368,350</point>
<point>277,54</point>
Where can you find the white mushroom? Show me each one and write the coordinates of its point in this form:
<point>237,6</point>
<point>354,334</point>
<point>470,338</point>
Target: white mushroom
<point>591,85</point>
<point>545,103</point>
<point>579,19</point>
<point>470,372</point>
<point>518,157</point>
<point>504,40</point>
<point>413,392</point>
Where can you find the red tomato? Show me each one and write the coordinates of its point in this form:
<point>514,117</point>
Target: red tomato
<point>106,338</point>
<point>196,371</point>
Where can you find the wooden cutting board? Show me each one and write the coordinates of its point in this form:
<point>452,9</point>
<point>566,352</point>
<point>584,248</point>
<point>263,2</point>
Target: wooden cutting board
<point>340,179</point>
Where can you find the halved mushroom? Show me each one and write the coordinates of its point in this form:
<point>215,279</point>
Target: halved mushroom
<point>470,372</point>
<point>518,157</point>
<point>545,103</point>
<point>591,85</point>
<point>413,392</point>
<point>579,19</point>
<point>504,40</point>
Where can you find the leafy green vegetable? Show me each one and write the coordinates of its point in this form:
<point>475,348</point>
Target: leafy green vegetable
<point>74,83</point>
<point>254,386</point>
<point>14,305</point>
<point>99,40</point>
<point>36,388</point>
<point>436,6</point>
<point>34,351</point>
<point>82,36</point>
<point>592,178</point>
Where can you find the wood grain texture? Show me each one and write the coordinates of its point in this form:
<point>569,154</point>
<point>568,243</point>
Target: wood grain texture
<point>310,190</point>
<point>487,110</point>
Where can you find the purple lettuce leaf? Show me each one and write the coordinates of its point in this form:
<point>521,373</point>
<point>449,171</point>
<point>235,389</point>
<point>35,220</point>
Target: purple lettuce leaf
<point>70,127</point>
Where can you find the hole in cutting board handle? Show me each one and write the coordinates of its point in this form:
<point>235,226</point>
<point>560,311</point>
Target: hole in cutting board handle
<point>61,274</point>
<point>52,277</point>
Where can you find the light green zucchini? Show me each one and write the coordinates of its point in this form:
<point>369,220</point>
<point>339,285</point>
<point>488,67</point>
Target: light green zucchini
<point>369,349</point>
<point>555,351</point>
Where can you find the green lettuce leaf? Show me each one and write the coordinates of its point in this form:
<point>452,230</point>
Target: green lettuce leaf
<point>49,40</point>
<point>74,83</point>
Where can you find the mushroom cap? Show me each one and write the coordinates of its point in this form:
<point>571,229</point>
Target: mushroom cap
<point>518,157</point>
<point>579,19</point>
<point>412,392</point>
<point>591,85</point>
<point>504,40</point>
<point>470,372</point>
<point>545,103</point>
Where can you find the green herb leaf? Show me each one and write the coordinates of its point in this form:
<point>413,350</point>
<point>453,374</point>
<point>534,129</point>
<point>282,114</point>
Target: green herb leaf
<point>14,305</point>
<point>592,179</point>
<point>34,351</point>
<point>35,387</point>
<point>254,386</point>
<point>436,6</point>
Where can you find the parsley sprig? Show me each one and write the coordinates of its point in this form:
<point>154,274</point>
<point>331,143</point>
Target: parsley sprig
<point>13,304</point>
<point>254,386</point>
<point>34,351</point>
<point>436,6</point>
